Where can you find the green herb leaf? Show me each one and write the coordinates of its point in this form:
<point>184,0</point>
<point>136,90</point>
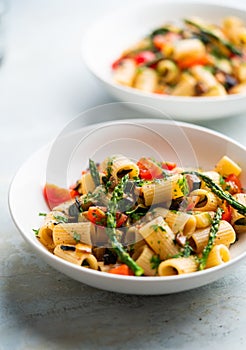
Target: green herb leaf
<point>94,172</point>
<point>35,231</point>
<point>212,235</point>
<point>76,236</point>
<point>155,262</point>
<point>60,218</point>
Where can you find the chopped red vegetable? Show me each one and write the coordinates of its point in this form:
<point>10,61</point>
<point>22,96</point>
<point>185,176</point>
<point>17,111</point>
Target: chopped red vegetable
<point>144,57</point>
<point>122,270</point>
<point>55,195</point>
<point>227,214</point>
<point>233,184</point>
<point>160,40</point>
<point>149,170</point>
<point>168,165</point>
<point>97,215</point>
<point>194,61</point>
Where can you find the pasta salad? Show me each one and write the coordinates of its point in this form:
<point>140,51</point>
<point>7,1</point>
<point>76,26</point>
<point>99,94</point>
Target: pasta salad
<point>198,59</point>
<point>147,218</point>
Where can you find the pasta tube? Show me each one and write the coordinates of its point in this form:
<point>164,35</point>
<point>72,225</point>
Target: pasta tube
<point>238,89</point>
<point>185,86</point>
<point>73,255</point>
<point>203,219</point>
<point>187,48</point>
<point>87,183</point>
<point>118,166</point>
<point>219,255</point>
<point>160,238</point>
<point>203,76</point>
<point>225,235</point>
<point>46,231</point>
<point>177,266</point>
<point>168,70</point>
<point>45,237</point>
<point>132,236</point>
<point>71,233</point>
<point>216,90</point>
<point>208,200</point>
<point>146,80</point>
<point>238,220</point>
<point>181,222</point>
<point>164,190</point>
<point>125,72</point>
<point>143,257</point>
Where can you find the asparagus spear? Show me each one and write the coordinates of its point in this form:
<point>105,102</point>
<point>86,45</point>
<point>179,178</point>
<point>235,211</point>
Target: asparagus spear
<point>94,172</point>
<point>209,34</point>
<point>219,192</point>
<point>111,228</point>
<point>212,235</point>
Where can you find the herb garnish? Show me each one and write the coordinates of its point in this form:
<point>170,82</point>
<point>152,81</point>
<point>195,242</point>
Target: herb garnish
<point>111,227</point>
<point>212,235</point>
<point>155,262</point>
<point>61,218</point>
<point>36,231</point>
<point>186,251</point>
<point>94,172</point>
<point>76,236</point>
<point>156,227</point>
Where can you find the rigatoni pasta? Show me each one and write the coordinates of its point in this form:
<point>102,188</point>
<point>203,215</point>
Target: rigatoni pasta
<point>148,217</point>
<point>198,58</point>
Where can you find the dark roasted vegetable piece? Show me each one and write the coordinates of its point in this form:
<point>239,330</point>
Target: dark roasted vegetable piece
<point>210,35</point>
<point>109,257</point>
<point>158,31</point>
<point>94,172</point>
<point>219,192</point>
<point>193,181</point>
<point>68,248</point>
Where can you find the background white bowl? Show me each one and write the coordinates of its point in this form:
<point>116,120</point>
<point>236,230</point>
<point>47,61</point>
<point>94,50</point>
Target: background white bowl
<point>109,36</point>
<point>187,144</point>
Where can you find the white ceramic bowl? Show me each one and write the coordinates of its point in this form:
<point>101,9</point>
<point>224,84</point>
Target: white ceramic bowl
<point>186,144</point>
<point>108,37</point>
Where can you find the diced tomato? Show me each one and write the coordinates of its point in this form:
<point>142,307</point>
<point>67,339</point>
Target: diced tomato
<point>149,170</point>
<point>193,61</point>
<point>97,215</point>
<point>160,40</point>
<point>122,270</point>
<point>55,195</point>
<point>233,183</point>
<point>226,215</point>
<point>120,219</point>
<point>168,165</point>
<point>74,193</point>
<point>116,63</point>
<point>145,174</point>
<point>144,57</point>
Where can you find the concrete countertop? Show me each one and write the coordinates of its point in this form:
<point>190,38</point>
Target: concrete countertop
<point>43,85</point>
